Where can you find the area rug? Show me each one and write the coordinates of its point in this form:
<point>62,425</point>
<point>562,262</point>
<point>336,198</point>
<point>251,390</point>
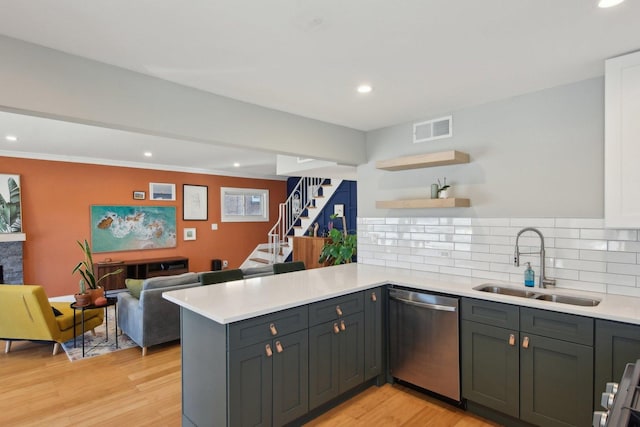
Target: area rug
<point>97,345</point>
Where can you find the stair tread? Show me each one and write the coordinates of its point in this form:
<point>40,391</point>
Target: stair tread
<point>260,260</point>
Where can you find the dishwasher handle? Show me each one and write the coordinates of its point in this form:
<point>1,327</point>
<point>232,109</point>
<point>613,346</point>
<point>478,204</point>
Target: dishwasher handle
<point>426,305</point>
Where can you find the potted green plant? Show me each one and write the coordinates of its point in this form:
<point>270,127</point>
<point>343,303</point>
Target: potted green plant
<point>89,280</point>
<point>342,246</point>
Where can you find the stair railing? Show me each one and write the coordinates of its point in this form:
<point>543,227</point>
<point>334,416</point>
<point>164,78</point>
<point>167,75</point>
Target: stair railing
<point>291,210</point>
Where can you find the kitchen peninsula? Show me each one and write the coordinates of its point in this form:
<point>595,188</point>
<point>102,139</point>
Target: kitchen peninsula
<point>232,333</point>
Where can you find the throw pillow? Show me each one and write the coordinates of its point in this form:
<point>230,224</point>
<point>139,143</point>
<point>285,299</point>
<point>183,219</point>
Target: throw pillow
<point>56,312</point>
<point>134,286</point>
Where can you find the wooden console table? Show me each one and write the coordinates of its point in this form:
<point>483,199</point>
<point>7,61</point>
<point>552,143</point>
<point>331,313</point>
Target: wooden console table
<point>139,269</point>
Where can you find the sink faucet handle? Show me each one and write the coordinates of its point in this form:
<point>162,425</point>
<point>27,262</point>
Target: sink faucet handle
<point>516,257</point>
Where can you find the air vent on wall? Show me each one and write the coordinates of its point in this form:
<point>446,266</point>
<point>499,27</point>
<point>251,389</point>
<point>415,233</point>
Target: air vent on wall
<point>433,129</point>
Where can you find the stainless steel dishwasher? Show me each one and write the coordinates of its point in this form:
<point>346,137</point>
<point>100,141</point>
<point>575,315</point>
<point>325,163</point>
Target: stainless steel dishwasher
<point>424,341</point>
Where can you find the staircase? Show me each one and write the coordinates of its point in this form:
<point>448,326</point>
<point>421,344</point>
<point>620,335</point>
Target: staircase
<point>295,216</point>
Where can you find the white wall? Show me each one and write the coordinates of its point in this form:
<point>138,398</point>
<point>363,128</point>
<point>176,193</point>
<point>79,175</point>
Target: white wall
<point>48,83</point>
<point>535,155</point>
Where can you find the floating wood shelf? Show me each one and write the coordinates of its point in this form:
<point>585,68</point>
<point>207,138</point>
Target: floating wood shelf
<point>441,158</point>
<point>423,203</point>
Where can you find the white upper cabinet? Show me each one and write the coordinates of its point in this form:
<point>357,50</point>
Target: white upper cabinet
<point>622,142</point>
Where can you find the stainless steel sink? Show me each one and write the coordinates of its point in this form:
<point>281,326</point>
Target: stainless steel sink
<point>525,293</point>
<point>566,299</point>
<point>494,289</point>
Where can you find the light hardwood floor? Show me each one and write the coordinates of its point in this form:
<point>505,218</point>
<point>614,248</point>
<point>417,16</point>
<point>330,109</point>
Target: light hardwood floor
<point>124,389</point>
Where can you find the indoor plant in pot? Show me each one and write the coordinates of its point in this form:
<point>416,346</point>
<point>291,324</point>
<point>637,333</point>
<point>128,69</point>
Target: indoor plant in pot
<point>342,246</point>
<point>85,269</point>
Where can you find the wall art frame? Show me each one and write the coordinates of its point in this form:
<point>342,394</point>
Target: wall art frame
<point>11,202</point>
<point>139,195</point>
<point>116,228</point>
<point>189,234</point>
<point>195,202</point>
<point>162,191</point>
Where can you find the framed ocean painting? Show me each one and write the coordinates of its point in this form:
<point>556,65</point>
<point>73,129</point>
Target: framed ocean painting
<point>132,228</point>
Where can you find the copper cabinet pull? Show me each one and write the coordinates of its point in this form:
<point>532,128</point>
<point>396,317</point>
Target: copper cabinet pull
<point>279,348</point>
<point>374,297</point>
<point>338,310</point>
<point>525,342</point>
<point>267,349</point>
<point>336,329</point>
<point>273,329</point>
<point>512,340</point>
<point>343,327</point>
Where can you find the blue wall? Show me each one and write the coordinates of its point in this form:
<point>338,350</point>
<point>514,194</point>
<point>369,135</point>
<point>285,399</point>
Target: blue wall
<point>346,195</point>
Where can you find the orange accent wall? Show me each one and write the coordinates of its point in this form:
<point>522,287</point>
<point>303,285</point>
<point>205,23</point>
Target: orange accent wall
<point>56,200</point>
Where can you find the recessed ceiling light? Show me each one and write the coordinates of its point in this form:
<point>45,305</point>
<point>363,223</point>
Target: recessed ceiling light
<point>364,88</point>
<point>148,154</point>
<point>11,138</point>
<point>236,165</point>
<point>609,3</point>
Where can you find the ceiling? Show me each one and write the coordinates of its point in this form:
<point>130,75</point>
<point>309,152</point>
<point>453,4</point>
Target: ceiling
<point>422,57</point>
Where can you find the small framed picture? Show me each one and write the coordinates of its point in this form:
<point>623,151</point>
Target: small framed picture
<point>194,202</point>
<point>338,210</point>
<point>162,191</point>
<point>189,234</point>
<point>139,195</point>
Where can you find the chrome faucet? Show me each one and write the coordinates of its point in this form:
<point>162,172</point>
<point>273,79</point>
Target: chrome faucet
<point>544,281</point>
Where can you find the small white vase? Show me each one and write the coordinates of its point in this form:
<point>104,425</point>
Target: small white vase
<point>443,194</point>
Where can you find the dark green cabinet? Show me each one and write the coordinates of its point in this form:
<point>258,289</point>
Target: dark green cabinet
<point>250,384</point>
<point>535,365</point>
<point>616,345</point>
<point>269,381</point>
<point>373,335</point>
<point>336,358</point>
<point>555,382</point>
<point>491,366</point>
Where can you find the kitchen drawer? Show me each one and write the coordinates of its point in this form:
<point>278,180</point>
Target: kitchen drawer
<point>335,308</point>
<point>490,313</point>
<point>252,331</point>
<point>566,327</point>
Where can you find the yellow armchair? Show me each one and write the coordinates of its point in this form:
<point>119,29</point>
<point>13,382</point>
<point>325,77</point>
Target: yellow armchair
<point>27,314</point>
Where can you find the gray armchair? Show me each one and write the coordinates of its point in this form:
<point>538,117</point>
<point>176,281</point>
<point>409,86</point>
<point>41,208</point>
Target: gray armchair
<point>151,319</point>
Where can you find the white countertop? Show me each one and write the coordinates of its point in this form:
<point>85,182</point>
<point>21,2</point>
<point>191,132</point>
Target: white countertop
<point>244,299</point>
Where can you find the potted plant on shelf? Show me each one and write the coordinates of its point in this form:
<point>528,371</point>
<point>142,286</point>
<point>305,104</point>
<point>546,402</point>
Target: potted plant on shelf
<point>85,269</point>
<point>342,246</point>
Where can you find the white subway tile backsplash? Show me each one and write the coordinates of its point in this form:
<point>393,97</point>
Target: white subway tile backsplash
<point>624,246</point>
<point>622,290</point>
<point>580,252</point>
<point>426,221</point>
<point>608,278</point>
<point>608,234</point>
<point>621,257</point>
<point>633,269</point>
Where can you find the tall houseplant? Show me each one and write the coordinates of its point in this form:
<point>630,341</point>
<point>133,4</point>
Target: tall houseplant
<point>342,246</point>
<point>85,269</point>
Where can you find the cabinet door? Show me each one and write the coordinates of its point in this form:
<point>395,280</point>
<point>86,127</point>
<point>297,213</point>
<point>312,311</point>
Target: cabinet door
<point>616,345</point>
<point>250,385</point>
<point>351,358</point>
<point>372,333</point>
<point>556,382</point>
<point>113,282</point>
<point>324,374</point>
<point>621,149</point>
<point>490,366</point>
<point>290,377</point>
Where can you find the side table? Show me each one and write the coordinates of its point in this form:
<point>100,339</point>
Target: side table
<point>111,301</point>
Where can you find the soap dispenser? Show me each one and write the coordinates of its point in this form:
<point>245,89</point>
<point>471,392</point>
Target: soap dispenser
<point>529,276</point>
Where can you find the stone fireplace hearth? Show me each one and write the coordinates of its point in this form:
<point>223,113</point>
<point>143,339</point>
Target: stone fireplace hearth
<point>11,254</point>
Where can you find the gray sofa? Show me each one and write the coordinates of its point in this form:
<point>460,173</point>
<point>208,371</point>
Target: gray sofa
<point>152,319</point>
